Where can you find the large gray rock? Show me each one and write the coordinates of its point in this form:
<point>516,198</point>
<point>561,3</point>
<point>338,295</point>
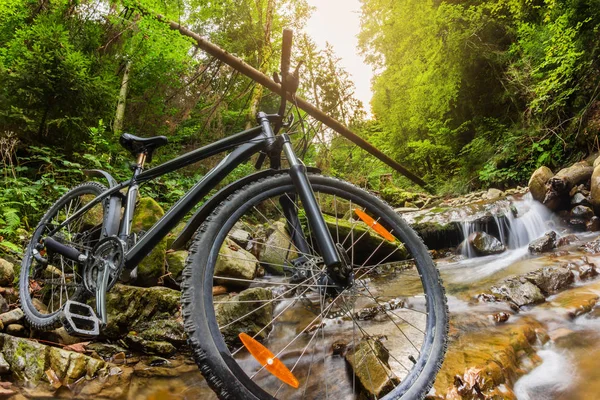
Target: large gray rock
<point>582,212</point>
<point>544,244</point>
<point>537,182</point>
<point>7,273</point>
<point>129,306</point>
<point>595,188</point>
<point>237,263</point>
<point>520,291</point>
<point>551,279</point>
<point>484,244</point>
<point>369,362</point>
<point>11,317</point>
<point>236,314</point>
<point>277,248</point>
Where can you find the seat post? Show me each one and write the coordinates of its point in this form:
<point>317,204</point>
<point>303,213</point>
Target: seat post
<point>141,159</point>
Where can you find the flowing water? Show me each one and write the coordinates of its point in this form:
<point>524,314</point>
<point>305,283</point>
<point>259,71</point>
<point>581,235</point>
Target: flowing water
<point>568,366</point>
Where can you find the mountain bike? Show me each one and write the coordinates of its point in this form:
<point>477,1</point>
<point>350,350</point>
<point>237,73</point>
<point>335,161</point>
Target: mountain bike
<point>297,285</point>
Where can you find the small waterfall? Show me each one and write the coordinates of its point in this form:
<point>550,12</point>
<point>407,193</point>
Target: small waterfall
<point>514,224</point>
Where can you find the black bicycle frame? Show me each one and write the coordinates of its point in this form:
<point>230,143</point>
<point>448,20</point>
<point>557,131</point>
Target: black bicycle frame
<point>246,144</point>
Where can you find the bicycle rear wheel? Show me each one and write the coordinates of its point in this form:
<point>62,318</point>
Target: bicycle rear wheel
<point>49,280</point>
<point>383,335</point>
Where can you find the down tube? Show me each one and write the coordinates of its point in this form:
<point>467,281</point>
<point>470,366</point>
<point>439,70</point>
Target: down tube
<point>188,201</point>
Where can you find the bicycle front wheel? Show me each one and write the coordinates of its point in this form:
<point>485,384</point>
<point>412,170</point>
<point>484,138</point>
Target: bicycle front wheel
<point>266,321</point>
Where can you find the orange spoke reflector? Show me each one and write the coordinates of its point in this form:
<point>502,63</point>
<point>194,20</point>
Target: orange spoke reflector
<point>375,225</point>
<point>269,361</point>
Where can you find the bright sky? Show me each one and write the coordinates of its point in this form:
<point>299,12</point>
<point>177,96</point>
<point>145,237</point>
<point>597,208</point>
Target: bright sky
<point>338,22</point>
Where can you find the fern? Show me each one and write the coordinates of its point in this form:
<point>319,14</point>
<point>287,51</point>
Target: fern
<point>9,220</point>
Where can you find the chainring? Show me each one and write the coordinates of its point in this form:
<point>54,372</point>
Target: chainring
<point>109,252</point>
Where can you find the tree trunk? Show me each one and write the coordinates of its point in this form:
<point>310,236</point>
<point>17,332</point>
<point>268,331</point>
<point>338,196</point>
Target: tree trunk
<point>120,114</point>
<point>311,110</point>
<point>263,54</point>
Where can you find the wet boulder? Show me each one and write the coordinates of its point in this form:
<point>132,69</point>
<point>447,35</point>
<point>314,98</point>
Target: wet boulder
<point>551,279</point>
<point>593,225</point>
<point>493,194</point>
<point>277,248</point>
<point>160,348</point>
<point>592,247</point>
<point>152,267</point>
<point>7,272</point>
<point>484,244</point>
<point>520,291</point>
<point>369,361</point>
<point>33,362</point>
<point>241,236</point>
<point>369,245</point>
<point>543,244</point>
<point>249,311</point>
<point>559,186</point>
<point>129,306</point>
<point>595,188</point>
<point>176,264</point>
<point>236,263</point>
<point>537,182</point>
<point>582,212</point>
<point>579,199</point>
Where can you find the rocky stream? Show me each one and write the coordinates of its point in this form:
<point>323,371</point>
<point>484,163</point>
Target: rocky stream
<point>520,270</point>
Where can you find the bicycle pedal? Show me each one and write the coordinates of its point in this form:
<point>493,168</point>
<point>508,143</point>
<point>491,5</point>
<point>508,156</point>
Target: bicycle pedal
<point>79,319</point>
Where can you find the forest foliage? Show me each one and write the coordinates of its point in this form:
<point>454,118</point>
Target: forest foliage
<point>468,93</point>
<point>474,93</point>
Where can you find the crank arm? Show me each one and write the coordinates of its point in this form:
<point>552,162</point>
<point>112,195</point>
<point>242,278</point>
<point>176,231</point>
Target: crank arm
<point>101,287</point>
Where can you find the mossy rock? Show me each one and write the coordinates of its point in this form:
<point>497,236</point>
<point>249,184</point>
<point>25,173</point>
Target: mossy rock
<point>176,263</point>
<point>236,263</point>
<point>129,305</point>
<point>277,249</point>
<point>27,359</point>
<point>369,245</point>
<point>171,236</point>
<point>167,330</point>
<point>152,267</point>
<point>7,272</point>
<point>233,307</point>
<point>160,348</point>
<point>369,361</point>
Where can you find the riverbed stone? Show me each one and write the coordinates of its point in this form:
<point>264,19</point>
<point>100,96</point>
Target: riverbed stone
<point>152,267</point>
<point>4,366</point>
<point>7,272</point>
<point>520,291</point>
<point>230,308</point>
<point>130,305</point>
<point>168,330</point>
<point>551,279</point>
<point>369,361</point>
<point>583,212</point>
<point>236,263</point>
<point>593,225</point>
<point>11,317</point>
<point>240,236</point>
<point>595,188</point>
<point>138,343</point>
<point>579,199</point>
<point>592,247</point>
<point>26,358</point>
<point>176,263</point>
<point>543,244</point>
<point>278,248</point>
<point>537,182</point>
<point>485,363</point>
<point>485,244</point>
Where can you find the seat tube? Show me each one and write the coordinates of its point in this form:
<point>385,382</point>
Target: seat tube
<point>131,198</point>
<point>313,212</point>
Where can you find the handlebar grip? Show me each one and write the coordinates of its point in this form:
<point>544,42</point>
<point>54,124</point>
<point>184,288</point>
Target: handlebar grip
<point>286,51</point>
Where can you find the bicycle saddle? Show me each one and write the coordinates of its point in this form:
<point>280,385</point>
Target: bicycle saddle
<point>137,145</point>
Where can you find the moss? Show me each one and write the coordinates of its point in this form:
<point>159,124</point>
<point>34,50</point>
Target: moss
<point>152,267</point>
<point>27,359</point>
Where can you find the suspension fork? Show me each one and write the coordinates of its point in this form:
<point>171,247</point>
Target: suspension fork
<point>323,237</point>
